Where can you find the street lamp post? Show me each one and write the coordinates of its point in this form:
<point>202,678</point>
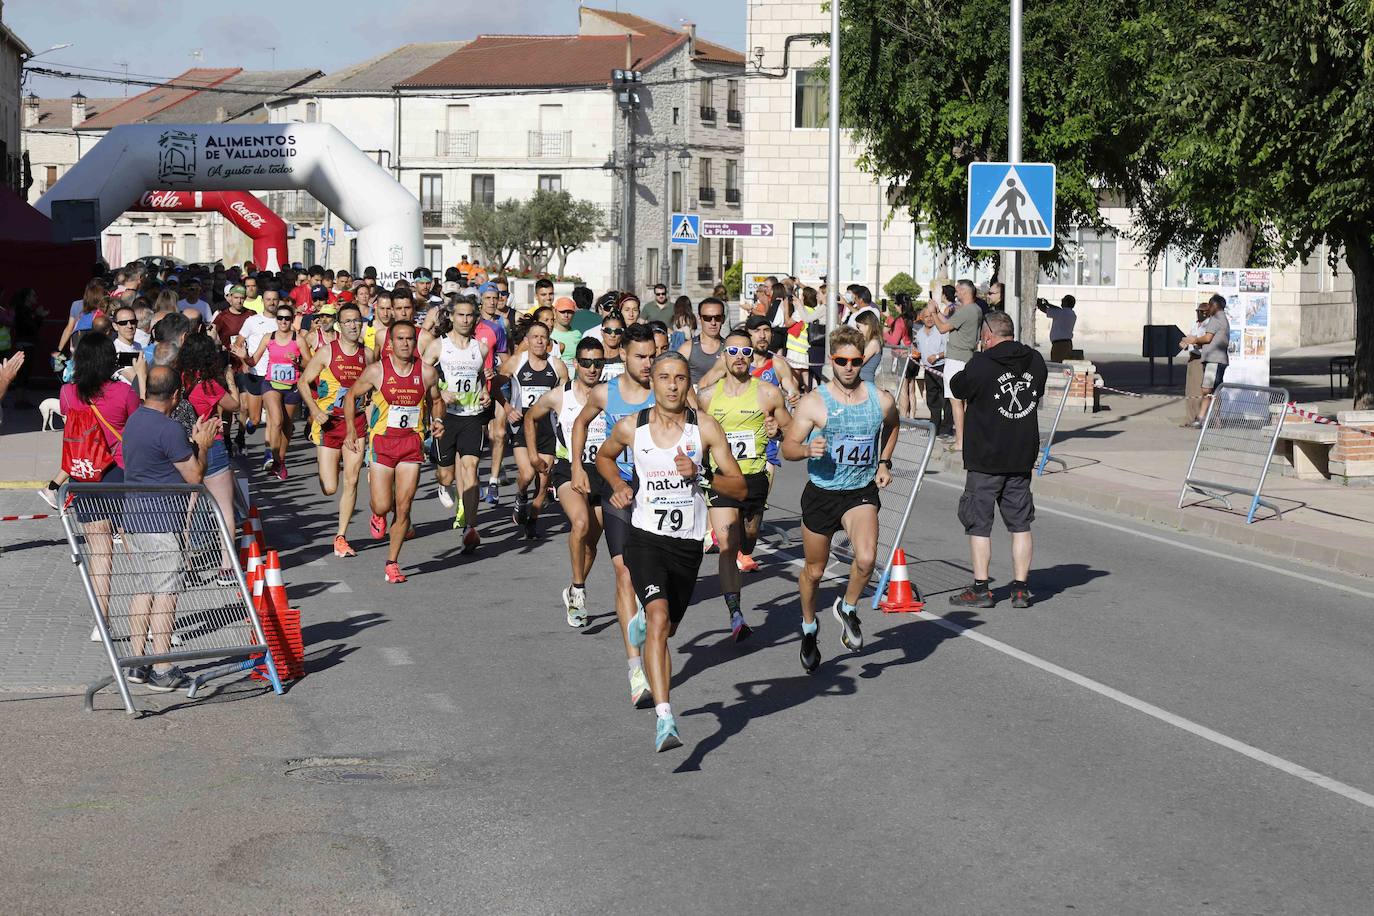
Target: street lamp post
<point>832,275</point>
<point>1013,289</point>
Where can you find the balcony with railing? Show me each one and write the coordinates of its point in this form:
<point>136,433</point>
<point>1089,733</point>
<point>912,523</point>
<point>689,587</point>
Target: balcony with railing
<point>708,114</point>
<point>442,216</point>
<point>295,206</point>
<point>707,196</point>
<point>550,144</point>
<point>734,117</point>
<point>455,144</point>
<point>732,195</point>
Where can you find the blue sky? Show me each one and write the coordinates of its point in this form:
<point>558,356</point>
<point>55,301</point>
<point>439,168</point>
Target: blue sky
<point>157,37</point>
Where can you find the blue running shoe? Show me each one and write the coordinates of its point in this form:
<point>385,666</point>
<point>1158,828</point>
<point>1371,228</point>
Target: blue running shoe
<point>666,737</point>
<point>638,630</point>
<point>492,494</point>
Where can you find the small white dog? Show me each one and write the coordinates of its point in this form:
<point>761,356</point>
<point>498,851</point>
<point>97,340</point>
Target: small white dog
<point>51,407</point>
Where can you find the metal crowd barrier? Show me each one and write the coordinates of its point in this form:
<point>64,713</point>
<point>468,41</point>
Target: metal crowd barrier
<point>1051,408</point>
<point>163,579</point>
<point>1236,446</point>
<point>915,443</point>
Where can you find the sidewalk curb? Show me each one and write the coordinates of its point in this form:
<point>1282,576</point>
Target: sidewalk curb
<point>1206,523</point>
<point>22,484</point>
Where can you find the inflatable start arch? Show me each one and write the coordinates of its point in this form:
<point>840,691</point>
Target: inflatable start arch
<point>252,216</point>
<point>135,158</point>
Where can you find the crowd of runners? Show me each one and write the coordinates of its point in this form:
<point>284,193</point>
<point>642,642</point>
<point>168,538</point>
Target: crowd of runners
<point>660,439</point>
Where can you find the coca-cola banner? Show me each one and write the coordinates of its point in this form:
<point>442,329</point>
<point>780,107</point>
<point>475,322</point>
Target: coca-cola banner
<point>134,159</point>
<point>265,228</point>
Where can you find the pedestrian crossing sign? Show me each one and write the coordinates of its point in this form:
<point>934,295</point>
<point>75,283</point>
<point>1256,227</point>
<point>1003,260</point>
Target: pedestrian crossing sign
<point>1011,205</point>
<point>686,229</point>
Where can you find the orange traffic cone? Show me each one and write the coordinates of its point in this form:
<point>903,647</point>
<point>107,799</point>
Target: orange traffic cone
<point>246,539</point>
<point>901,599</point>
<point>259,591</point>
<point>251,562</point>
<point>274,586</point>
<point>255,523</point>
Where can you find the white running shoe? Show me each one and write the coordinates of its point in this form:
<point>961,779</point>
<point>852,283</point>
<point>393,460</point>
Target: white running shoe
<point>49,497</point>
<point>575,606</point>
<point>445,497</point>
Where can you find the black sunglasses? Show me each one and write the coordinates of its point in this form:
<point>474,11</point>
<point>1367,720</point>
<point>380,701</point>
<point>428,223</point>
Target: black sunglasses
<point>127,323</point>
<point>285,317</point>
<point>843,361</point>
<point>612,330</point>
<point>719,317</point>
<point>587,362</point>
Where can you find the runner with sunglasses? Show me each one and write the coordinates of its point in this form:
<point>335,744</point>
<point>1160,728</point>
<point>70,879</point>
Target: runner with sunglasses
<point>668,444</point>
<point>401,387</point>
<point>582,509</point>
<point>532,374</point>
<point>465,388</point>
<point>332,371</point>
<point>846,430</point>
<point>752,414</point>
<point>281,398</point>
<point>619,398</point>
<point>612,338</point>
<point>703,351</point>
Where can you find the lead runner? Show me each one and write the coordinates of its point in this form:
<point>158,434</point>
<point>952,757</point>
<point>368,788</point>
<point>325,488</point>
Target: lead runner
<point>669,443</point>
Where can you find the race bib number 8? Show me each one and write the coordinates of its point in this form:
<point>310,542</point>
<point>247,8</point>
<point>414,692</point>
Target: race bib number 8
<point>403,417</point>
<point>743,444</point>
<point>854,451</point>
<point>596,435</point>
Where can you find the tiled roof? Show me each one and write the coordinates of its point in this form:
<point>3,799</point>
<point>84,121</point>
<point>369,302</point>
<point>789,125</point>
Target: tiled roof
<point>539,60</point>
<point>57,113</point>
<point>148,104</point>
<point>247,105</point>
<point>381,73</point>
<point>706,50</point>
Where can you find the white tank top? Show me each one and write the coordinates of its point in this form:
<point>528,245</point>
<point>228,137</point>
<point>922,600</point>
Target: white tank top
<point>461,371</point>
<point>596,430</point>
<point>666,504</point>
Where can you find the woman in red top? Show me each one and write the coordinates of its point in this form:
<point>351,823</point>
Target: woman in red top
<point>113,402</point>
<point>898,328</point>
<point>209,387</point>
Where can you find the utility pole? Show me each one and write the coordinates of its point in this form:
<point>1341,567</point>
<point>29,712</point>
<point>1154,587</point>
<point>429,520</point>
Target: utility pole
<point>625,83</point>
<point>832,275</point>
<point>1015,306</point>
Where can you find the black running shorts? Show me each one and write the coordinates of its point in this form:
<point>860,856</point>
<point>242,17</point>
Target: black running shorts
<point>462,436</point>
<point>1010,493</point>
<point>663,568</point>
<point>823,510</point>
<point>754,501</point>
<point>616,524</point>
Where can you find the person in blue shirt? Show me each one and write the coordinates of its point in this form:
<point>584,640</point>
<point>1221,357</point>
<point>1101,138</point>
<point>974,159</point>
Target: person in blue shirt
<point>845,430</point>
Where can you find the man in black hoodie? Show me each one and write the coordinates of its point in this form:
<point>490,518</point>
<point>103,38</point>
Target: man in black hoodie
<point>1002,387</point>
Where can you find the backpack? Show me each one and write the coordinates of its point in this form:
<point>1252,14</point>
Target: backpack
<point>86,456</point>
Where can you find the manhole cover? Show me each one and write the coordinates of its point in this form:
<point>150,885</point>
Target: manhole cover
<point>352,770</point>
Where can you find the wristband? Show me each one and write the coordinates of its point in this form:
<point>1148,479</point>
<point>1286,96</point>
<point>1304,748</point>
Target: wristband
<point>885,462</point>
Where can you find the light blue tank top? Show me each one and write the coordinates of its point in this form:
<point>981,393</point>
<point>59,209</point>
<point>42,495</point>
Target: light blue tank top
<point>616,409</point>
<point>851,434</point>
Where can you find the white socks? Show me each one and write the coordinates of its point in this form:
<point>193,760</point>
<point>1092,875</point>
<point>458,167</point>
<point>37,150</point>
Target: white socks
<point>664,710</point>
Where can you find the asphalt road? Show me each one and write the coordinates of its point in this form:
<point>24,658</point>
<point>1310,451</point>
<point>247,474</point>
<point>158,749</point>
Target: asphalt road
<point>1174,727</point>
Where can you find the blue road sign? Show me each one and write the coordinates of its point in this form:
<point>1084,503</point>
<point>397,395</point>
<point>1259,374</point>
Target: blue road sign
<point>686,229</point>
<point>1011,205</point>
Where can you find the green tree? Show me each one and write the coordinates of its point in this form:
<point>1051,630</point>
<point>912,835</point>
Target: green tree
<point>561,224</point>
<point>1259,117</point>
<point>734,279</point>
<point>902,282</point>
<point>499,231</point>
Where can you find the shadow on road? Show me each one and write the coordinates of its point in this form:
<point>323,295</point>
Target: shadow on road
<point>1050,581</point>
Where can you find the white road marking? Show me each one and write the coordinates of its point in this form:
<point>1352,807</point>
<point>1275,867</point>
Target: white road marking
<point>1207,734</point>
<point>1182,545</point>
<point>319,562</point>
<point>395,655</point>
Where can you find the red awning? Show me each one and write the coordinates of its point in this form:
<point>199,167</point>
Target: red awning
<point>20,222</point>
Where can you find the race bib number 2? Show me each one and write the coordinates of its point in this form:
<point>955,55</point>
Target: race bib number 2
<point>403,417</point>
<point>853,451</point>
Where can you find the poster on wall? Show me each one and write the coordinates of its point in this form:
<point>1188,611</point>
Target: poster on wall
<point>1247,294</point>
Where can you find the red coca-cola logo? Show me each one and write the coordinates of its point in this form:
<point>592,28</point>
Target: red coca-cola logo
<point>161,200</point>
<point>249,216</point>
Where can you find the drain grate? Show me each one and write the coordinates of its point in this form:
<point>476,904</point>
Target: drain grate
<point>344,770</point>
